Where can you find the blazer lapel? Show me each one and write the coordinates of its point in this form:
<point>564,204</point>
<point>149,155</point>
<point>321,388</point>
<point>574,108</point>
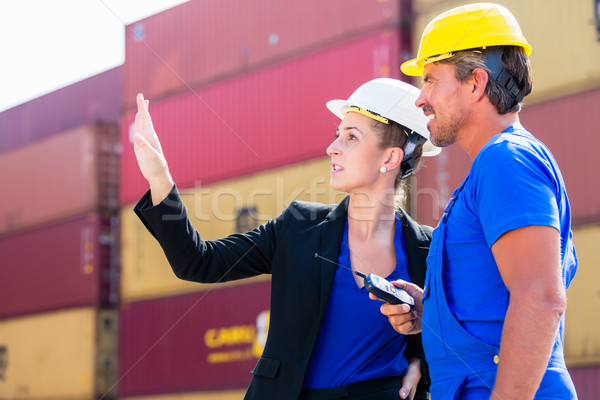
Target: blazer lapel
<point>417,247</point>
<point>331,238</point>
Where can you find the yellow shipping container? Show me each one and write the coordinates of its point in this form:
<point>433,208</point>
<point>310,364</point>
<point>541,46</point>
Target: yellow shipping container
<point>64,355</point>
<point>582,334</point>
<point>213,210</point>
<point>566,49</point>
<point>218,395</point>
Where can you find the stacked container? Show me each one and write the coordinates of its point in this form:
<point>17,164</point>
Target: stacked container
<point>562,111</point>
<point>58,240</point>
<point>237,95</point>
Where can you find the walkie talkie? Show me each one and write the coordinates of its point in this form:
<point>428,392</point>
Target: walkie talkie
<point>384,289</point>
<point>380,287</point>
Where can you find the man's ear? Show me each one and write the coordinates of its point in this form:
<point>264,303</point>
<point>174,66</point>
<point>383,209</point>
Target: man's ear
<point>478,82</point>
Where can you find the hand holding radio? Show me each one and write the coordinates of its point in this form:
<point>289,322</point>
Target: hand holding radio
<point>403,319</point>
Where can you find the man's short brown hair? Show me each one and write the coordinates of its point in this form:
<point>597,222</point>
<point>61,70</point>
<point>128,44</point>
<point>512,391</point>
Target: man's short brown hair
<point>514,61</point>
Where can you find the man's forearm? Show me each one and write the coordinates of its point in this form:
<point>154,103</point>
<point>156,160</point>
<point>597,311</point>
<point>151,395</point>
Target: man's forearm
<point>527,339</point>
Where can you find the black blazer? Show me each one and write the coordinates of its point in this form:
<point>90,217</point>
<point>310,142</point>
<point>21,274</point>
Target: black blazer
<point>284,247</point>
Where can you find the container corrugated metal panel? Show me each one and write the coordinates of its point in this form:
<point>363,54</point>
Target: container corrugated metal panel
<point>72,263</point>
<point>59,177</point>
<point>587,381</point>
<point>97,98</point>
<point>199,42</point>
<point>203,341</point>
<point>145,272</point>
<point>547,26</point>
<point>568,126</point>
<point>433,183</point>
<point>217,395</point>
<point>582,338</point>
<point>262,120</point>
<point>63,355</point>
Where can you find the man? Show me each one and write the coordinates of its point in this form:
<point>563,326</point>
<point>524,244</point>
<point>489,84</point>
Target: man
<point>493,326</point>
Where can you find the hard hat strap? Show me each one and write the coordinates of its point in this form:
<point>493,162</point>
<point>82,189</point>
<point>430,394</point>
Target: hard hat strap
<point>407,166</point>
<point>493,62</point>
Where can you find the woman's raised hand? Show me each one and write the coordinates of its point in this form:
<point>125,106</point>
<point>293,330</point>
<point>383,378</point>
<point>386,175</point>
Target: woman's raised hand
<point>149,155</point>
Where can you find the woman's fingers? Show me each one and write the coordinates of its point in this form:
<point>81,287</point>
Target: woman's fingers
<point>143,122</point>
<point>411,379</point>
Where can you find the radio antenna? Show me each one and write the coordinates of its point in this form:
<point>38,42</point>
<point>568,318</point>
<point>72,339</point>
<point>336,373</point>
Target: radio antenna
<point>340,265</point>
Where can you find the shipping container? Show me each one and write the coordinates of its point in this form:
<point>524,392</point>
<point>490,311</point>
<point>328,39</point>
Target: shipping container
<point>265,119</point>
<point>216,395</point>
<point>432,184</point>
<point>214,210</point>
<point>97,98</point>
<point>568,126</point>
<point>64,355</point>
<point>563,35</point>
<point>202,341</point>
<point>582,338</point>
<point>62,176</point>
<point>201,42</point>
<point>72,263</point>
<point>587,381</point>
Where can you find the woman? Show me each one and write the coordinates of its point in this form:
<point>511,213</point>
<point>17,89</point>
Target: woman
<point>326,338</point>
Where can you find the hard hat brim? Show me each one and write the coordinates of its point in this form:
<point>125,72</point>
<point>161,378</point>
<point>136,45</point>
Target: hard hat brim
<point>413,67</point>
<point>340,107</point>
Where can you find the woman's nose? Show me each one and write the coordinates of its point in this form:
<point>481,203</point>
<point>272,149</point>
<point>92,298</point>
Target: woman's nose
<point>333,149</point>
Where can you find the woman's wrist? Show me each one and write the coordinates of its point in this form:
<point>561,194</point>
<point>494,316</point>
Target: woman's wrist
<point>160,188</point>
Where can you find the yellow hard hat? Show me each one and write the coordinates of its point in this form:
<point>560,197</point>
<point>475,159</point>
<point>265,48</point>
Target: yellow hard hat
<point>466,27</point>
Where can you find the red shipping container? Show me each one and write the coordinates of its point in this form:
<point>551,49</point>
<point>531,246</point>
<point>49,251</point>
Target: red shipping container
<point>568,126</point>
<point>59,177</point>
<point>587,381</point>
<point>73,263</point>
<point>209,340</point>
<point>199,42</point>
<point>97,98</point>
<point>269,118</point>
<point>433,183</point>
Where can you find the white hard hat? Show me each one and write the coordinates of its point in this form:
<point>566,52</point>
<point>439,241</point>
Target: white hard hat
<point>391,99</point>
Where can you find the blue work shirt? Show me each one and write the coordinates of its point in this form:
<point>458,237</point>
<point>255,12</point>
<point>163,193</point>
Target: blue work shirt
<point>356,342</point>
<point>514,182</point>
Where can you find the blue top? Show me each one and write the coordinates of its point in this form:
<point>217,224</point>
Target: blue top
<point>356,342</point>
<point>514,182</point>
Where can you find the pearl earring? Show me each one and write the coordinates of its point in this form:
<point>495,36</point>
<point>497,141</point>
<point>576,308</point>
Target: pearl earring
<point>383,170</point>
